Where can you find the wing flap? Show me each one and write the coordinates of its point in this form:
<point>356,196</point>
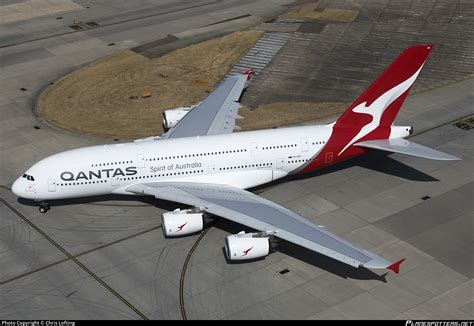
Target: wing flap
<point>216,114</point>
<point>261,214</point>
<point>403,146</point>
<point>225,120</point>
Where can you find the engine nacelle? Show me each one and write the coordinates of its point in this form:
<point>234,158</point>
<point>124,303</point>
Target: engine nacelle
<point>182,222</point>
<point>173,116</point>
<point>243,246</point>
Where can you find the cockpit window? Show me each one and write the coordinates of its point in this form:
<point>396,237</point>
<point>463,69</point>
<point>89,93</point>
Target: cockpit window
<point>28,177</point>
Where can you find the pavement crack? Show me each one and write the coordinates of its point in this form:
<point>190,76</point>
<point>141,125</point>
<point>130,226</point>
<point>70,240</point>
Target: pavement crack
<point>70,294</point>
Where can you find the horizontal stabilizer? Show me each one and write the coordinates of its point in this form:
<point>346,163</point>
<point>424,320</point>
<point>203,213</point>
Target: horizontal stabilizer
<point>400,145</point>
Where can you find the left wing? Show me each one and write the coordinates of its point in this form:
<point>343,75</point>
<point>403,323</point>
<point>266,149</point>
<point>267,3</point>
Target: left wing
<point>261,214</point>
<point>216,114</point>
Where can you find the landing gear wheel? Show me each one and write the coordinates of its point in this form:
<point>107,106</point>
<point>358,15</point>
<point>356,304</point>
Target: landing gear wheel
<point>44,207</point>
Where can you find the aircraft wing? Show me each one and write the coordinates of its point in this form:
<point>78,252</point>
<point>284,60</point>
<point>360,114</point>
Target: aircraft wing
<point>400,145</point>
<point>261,214</point>
<point>216,114</point>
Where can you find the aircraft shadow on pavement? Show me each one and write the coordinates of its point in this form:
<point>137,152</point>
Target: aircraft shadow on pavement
<point>310,257</point>
<point>382,162</point>
<point>103,199</point>
<point>377,161</point>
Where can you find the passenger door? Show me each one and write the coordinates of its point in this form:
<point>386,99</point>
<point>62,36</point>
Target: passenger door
<point>51,185</point>
<point>329,156</point>
<point>304,144</point>
<point>280,163</point>
<point>212,169</point>
<point>140,161</point>
<point>254,149</point>
<point>115,182</point>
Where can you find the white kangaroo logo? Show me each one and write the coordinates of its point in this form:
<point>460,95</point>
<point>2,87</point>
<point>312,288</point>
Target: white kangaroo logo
<point>377,108</point>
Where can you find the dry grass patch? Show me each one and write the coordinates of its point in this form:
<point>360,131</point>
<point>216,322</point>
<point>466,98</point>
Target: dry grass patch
<point>105,99</point>
<point>308,11</point>
<point>95,100</point>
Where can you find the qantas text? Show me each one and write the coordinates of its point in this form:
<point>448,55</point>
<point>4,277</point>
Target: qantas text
<point>99,174</point>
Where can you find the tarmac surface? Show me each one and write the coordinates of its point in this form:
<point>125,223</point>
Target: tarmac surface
<point>107,258</point>
<point>333,61</point>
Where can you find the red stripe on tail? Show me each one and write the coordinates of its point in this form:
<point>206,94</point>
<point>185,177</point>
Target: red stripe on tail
<point>372,114</point>
<point>405,66</point>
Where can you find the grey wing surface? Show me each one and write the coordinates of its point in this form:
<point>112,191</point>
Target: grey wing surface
<point>216,114</point>
<point>261,214</point>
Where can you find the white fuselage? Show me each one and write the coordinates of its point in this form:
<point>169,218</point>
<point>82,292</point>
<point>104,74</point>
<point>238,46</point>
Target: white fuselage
<point>244,160</point>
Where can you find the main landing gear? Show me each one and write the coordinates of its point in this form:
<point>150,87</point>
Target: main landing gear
<point>44,207</point>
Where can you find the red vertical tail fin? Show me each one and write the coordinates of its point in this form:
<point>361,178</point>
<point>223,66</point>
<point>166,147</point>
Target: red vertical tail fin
<point>387,93</point>
<point>370,116</point>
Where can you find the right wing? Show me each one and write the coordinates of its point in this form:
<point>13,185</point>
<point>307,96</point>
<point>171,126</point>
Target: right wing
<point>216,114</point>
<point>400,145</point>
<point>261,214</point>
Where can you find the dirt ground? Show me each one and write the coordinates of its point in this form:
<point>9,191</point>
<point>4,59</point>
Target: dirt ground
<point>105,99</point>
<point>308,11</point>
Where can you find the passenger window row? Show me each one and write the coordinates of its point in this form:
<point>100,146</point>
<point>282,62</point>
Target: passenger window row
<point>299,161</point>
<point>162,175</point>
<point>82,183</point>
<point>111,163</point>
<point>196,155</point>
<point>245,166</point>
<point>319,143</point>
<point>279,146</point>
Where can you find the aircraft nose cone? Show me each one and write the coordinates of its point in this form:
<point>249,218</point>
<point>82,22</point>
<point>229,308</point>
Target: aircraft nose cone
<point>16,187</point>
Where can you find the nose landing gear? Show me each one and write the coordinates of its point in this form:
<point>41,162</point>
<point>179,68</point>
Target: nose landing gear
<point>44,207</point>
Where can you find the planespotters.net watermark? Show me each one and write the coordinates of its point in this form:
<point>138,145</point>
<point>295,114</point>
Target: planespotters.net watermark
<point>38,323</point>
<point>439,323</point>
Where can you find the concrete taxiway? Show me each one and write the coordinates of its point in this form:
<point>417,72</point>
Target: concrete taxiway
<point>107,258</point>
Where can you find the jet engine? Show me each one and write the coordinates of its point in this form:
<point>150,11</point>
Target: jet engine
<point>182,222</point>
<point>244,246</point>
<point>173,116</point>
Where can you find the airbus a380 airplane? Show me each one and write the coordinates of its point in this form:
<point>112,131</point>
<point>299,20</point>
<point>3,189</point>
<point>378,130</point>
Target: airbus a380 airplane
<point>199,162</point>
